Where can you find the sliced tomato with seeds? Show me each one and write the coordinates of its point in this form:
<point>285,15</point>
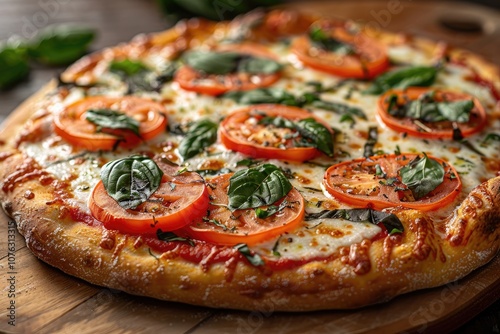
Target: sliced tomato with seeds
<point>367,59</point>
<point>72,124</point>
<point>179,200</point>
<point>190,79</point>
<point>242,132</point>
<point>224,227</point>
<point>375,183</point>
<point>430,130</point>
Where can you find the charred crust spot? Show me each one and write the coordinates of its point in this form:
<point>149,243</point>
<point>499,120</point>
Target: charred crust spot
<point>108,239</point>
<point>88,261</point>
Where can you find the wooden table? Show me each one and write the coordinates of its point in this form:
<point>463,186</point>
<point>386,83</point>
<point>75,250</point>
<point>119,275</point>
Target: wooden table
<point>48,301</point>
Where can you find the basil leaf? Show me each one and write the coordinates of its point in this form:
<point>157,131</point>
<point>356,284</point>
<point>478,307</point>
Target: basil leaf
<point>422,175</point>
<point>427,109</point>
<point>279,122</point>
<point>131,181</point>
<point>212,172</point>
<point>489,137</point>
<point>199,136</point>
<point>249,162</point>
<point>370,142</point>
<point>263,95</point>
<point>127,67</point>
<point>61,44</point>
<point>13,66</point>
<point>257,65</point>
<point>254,259</point>
<point>323,40</point>
<point>139,78</point>
<point>171,236</point>
<point>456,111</point>
<point>257,186</point>
<point>316,132</point>
<point>422,76</point>
<point>112,119</point>
<point>271,210</point>
<point>213,62</point>
<point>389,220</point>
<point>339,108</point>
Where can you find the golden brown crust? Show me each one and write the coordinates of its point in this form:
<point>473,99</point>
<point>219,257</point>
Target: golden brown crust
<point>430,253</point>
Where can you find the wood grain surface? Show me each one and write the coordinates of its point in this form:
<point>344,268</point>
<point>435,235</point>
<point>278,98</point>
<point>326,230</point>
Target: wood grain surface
<point>48,301</point>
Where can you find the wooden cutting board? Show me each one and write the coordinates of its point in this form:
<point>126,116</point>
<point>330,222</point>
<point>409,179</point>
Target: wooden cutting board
<point>48,301</point>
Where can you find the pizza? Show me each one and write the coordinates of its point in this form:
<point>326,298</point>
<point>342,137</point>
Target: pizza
<point>280,158</point>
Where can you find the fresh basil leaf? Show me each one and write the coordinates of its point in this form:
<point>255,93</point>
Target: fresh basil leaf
<point>13,66</point>
<point>257,186</point>
<point>427,109</point>
<point>171,236</point>
<point>422,76</point>
<point>323,40</point>
<point>221,63</point>
<point>389,220</point>
<point>212,172</point>
<point>317,133</point>
<point>490,137</point>
<point>422,175</point>
<point>370,142</point>
<point>279,122</point>
<point>254,258</point>
<point>248,162</point>
<point>263,95</point>
<point>131,181</point>
<point>61,44</point>
<point>456,111</point>
<point>213,62</point>
<point>112,119</point>
<point>339,108</point>
<point>271,210</point>
<point>256,65</point>
<point>314,134</point>
<point>199,136</point>
<point>127,67</point>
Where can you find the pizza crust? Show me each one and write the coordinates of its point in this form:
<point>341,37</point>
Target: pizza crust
<point>428,255</point>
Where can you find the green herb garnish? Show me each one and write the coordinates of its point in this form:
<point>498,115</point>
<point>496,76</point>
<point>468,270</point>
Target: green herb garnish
<point>131,181</point>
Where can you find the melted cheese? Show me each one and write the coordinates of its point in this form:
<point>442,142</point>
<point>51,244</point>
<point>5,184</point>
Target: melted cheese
<point>318,238</point>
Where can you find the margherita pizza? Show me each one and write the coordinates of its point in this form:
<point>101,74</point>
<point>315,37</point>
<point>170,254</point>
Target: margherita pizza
<point>280,157</point>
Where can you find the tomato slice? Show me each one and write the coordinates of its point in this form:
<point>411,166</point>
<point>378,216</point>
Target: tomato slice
<point>212,84</point>
<point>242,132</point>
<point>369,60</point>
<point>72,126</point>
<point>356,183</point>
<point>224,227</point>
<point>430,130</point>
<point>180,200</point>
